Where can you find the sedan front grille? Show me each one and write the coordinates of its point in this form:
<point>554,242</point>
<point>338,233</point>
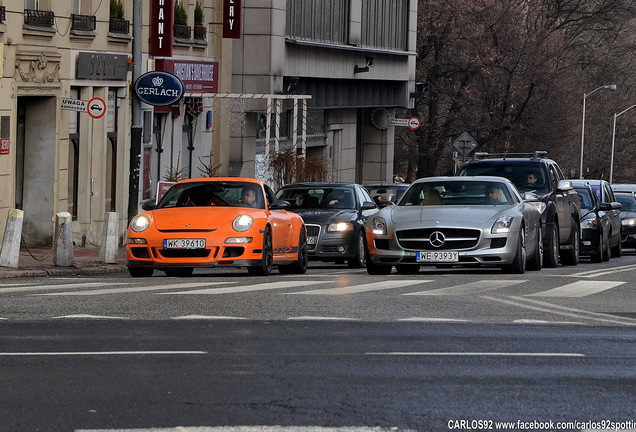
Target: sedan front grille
<point>313,234</point>
<point>453,238</point>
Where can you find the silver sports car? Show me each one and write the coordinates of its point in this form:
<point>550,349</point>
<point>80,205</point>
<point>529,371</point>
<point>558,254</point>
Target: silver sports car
<point>450,221</point>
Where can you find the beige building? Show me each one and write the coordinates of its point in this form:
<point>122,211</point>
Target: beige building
<point>67,86</point>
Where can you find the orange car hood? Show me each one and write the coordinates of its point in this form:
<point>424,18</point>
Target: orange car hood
<point>203,218</point>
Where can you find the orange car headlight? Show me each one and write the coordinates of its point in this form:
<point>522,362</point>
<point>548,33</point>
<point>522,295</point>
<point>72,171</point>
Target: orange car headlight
<point>140,223</point>
<point>243,222</point>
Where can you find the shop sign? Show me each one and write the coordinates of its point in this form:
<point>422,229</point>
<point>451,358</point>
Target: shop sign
<point>95,66</point>
<point>231,19</point>
<point>159,88</point>
<point>197,76</point>
<point>161,25</point>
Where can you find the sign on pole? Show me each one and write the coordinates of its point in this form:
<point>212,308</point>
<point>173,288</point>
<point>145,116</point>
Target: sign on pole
<point>414,123</point>
<point>96,108</point>
<point>464,145</point>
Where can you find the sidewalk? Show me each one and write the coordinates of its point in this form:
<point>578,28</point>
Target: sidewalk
<point>86,262</point>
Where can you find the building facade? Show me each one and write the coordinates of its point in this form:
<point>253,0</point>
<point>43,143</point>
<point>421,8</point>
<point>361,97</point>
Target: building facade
<point>303,75</point>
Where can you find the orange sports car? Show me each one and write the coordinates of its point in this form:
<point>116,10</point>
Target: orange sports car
<point>207,222</point>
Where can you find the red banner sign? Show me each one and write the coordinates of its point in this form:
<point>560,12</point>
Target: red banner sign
<point>4,146</point>
<point>232,19</point>
<point>161,27</point>
<point>197,76</point>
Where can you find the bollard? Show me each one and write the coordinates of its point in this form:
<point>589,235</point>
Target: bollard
<point>10,252</point>
<point>109,249</point>
<point>63,254</point>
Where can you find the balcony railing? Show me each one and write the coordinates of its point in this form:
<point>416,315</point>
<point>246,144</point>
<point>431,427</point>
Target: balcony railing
<point>38,18</point>
<point>83,22</point>
<point>119,25</point>
<point>200,32</point>
<point>182,31</point>
<point>3,12</point>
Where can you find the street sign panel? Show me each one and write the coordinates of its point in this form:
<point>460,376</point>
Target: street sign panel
<point>400,122</point>
<point>96,107</point>
<point>4,146</point>
<point>465,144</point>
<point>414,123</point>
<point>74,105</point>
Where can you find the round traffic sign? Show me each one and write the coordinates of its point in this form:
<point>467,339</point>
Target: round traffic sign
<point>96,107</point>
<point>414,123</point>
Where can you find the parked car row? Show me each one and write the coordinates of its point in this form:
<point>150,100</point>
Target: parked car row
<point>496,213</point>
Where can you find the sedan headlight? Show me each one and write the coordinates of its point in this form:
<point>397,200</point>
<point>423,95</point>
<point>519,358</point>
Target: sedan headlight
<point>502,225</point>
<point>140,223</point>
<point>378,225</point>
<point>629,222</point>
<point>340,226</point>
<point>589,223</point>
<point>243,222</point>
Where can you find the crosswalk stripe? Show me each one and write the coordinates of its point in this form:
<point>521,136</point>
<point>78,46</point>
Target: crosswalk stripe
<point>57,287</point>
<point>133,289</point>
<point>603,271</point>
<point>470,288</point>
<point>248,288</point>
<point>353,289</point>
<point>578,289</point>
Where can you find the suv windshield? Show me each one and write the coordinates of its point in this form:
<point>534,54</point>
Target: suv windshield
<point>526,176</point>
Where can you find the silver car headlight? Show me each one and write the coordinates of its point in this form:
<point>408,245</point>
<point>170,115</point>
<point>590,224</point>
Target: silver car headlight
<point>242,222</point>
<point>378,225</point>
<point>628,222</point>
<point>502,225</point>
<point>140,223</point>
<point>340,226</point>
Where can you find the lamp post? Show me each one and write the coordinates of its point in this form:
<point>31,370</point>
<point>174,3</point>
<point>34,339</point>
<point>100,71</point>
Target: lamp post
<point>614,140</point>
<point>611,87</point>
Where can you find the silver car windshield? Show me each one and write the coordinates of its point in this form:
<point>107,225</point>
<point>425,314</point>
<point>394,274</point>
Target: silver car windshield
<point>459,193</point>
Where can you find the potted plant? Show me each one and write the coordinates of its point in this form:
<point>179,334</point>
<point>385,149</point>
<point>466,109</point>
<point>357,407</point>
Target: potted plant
<point>116,9</point>
<point>180,14</point>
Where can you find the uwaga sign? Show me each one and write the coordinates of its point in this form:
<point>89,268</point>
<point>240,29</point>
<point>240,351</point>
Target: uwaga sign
<point>161,27</point>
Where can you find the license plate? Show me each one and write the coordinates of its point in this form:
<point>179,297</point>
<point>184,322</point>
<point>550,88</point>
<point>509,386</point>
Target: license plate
<point>311,240</point>
<point>184,244</point>
<point>437,256</point>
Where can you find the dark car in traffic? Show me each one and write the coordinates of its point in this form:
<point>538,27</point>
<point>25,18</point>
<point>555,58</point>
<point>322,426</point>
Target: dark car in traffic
<point>595,223</point>
<point>334,215</point>
<point>628,218</point>
<point>605,194</point>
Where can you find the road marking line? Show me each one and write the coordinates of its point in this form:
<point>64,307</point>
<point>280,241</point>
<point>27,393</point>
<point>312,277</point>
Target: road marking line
<point>476,354</point>
<point>58,287</point>
<point>470,288</point>
<point>84,316</point>
<point>206,317</point>
<point>257,429</point>
<point>423,319</point>
<point>532,321</point>
<point>133,289</point>
<point>320,318</point>
<point>248,288</point>
<point>602,272</point>
<point>98,353</point>
<point>560,310</point>
<point>577,289</point>
<point>353,289</point>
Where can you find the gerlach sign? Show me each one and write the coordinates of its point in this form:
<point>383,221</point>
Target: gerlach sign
<point>159,88</point>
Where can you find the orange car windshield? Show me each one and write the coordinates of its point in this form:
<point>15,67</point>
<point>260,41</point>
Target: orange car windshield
<point>211,193</point>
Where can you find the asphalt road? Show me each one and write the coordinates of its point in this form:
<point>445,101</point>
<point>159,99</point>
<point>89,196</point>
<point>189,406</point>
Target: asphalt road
<point>333,350</point>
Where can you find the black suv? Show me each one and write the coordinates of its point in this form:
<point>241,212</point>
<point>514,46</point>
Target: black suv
<point>559,204</point>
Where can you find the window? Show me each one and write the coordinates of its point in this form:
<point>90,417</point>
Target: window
<point>385,23</point>
<point>318,20</point>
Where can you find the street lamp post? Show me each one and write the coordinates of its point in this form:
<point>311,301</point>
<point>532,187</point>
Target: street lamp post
<point>614,140</point>
<point>611,87</point>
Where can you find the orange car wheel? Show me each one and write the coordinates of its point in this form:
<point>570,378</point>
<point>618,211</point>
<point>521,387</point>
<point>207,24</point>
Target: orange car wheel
<point>265,266</point>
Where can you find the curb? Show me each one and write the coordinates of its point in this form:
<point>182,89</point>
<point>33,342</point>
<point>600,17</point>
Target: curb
<point>63,271</point>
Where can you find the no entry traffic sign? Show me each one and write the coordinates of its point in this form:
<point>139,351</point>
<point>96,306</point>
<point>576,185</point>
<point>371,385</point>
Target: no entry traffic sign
<point>96,108</point>
<point>414,123</point>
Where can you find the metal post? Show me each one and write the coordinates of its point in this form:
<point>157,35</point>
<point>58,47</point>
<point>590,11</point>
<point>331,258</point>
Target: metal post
<point>611,173</point>
<point>136,128</point>
<point>582,137</point>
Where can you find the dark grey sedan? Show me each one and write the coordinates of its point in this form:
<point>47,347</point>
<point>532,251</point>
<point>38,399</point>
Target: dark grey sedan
<point>334,215</point>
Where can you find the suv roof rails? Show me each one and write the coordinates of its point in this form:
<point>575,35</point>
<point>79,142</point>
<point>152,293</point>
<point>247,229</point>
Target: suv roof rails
<point>539,154</point>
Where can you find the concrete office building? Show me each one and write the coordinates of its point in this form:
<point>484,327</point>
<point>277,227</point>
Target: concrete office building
<point>354,59</point>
